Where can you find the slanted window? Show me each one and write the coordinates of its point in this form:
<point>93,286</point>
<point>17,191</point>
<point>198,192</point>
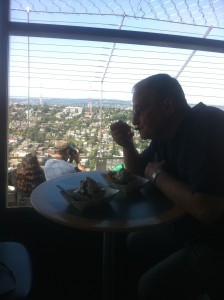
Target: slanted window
<point>72,66</point>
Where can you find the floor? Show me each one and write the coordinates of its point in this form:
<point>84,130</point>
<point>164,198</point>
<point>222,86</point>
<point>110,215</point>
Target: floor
<point>67,263</point>
<point>64,268</point>
<point>68,266</point>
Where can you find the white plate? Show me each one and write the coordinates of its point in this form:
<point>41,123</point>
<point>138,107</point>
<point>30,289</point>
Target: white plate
<point>134,185</point>
<point>83,204</point>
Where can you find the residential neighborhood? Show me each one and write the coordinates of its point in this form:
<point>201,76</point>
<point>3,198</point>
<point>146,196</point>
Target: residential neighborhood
<point>36,128</point>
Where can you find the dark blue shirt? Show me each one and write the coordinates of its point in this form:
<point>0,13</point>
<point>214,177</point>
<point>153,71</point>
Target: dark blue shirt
<point>196,153</point>
<point>196,156</point>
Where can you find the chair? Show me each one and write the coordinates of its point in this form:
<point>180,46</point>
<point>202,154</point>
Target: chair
<point>15,271</point>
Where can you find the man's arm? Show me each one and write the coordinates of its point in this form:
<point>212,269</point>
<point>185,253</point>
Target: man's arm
<point>123,135</point>
<point>132,160</point>
<point>205,207</point>
<point>77,161</point>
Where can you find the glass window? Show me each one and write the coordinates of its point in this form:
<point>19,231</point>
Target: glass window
<point>74,88</point>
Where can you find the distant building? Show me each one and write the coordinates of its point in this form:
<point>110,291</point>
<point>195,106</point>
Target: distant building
<point>13,140</point>
<point>20,153</point>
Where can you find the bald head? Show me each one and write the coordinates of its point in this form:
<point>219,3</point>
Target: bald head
<point>159,106</point>
<point>160,86</point>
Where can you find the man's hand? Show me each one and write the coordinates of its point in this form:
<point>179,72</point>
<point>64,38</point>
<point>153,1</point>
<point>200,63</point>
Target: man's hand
<point>75,156</point>
<point>81,167</point>
<point>122,134</point>
<point>153,167</point>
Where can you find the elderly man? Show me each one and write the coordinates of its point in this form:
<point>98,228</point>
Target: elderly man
<point>62,163</point>
<point>185,161</point>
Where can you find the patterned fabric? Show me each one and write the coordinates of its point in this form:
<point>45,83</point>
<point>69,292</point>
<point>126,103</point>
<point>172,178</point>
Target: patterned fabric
<point>28,175</point>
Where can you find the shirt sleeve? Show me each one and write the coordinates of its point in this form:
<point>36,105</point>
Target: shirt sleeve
<point>149,154</point>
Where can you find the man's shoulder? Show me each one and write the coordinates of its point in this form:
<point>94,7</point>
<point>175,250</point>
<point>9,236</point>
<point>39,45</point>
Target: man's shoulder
<point>202,113</point>
<point>202,108</point>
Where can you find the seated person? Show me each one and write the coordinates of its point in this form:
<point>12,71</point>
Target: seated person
<point>62,163</point>
<point>185,161</point>
<point>28,175</point>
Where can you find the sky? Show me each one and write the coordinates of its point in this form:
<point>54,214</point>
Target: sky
<point>84,69</point>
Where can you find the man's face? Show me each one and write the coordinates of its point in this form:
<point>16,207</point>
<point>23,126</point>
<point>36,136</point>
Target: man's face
<point>147,115</point>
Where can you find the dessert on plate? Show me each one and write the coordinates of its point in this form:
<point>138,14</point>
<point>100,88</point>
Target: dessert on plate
<point>122,176</point>
<point>89,190</point>
<point>124,181</point>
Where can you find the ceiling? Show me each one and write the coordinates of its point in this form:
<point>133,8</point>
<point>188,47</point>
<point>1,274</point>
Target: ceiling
<point>54,67</point>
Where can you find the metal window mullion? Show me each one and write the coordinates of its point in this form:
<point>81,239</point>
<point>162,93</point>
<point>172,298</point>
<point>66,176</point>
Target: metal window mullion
<point>116,36</point>
<point>4,50</point>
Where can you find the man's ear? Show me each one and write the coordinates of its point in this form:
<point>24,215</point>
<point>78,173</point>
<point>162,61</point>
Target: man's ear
<point>168,106</point>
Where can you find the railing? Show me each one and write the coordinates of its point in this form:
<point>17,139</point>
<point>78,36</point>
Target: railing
<point>15,199</point>
<point>101,163</point>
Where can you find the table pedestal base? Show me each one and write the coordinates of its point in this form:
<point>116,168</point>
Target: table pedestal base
<point>108,266</point>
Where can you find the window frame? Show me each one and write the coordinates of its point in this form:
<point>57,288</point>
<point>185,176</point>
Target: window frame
<point>8,28</point>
